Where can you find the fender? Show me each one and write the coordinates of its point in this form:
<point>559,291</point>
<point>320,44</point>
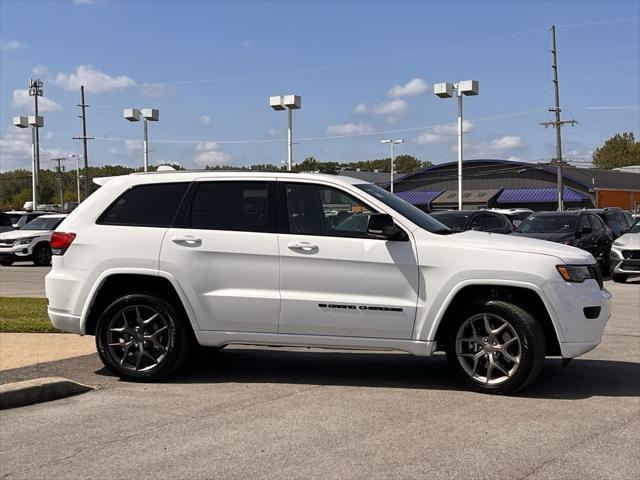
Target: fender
<point>503,283</point>
<point>136,271</point>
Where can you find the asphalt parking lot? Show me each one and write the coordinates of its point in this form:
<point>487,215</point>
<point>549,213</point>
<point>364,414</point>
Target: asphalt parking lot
<point>247,412</point>
<point>22,279</point>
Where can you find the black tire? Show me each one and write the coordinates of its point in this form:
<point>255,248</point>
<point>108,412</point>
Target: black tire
<point>531,346</point>
<point>6,262</point>
<point>176,338</point>
<point>619,277</point>
<point>42,255</point>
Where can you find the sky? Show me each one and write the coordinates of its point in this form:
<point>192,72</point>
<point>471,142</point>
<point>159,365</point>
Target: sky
<point>365,72</point>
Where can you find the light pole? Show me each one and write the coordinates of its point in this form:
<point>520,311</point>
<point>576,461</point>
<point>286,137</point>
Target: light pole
<point>445,90</point>
<point>35,91</point>
<point>35,122</point>
<point>288,102</point>
<point>393,143</point>
<point>148,115</point>
<point>77,157</point>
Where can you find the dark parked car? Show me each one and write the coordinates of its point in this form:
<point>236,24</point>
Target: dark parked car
<point>485,221</point>
<point>580,229</point>
<point>617,219</point>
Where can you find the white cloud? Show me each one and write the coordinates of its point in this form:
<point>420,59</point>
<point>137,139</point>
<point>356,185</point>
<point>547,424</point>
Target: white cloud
<point>508,142</point>
<point>48,135</point>
<point>40,70</point>
<point>416,86</point>
<point>208,154</point>
<point>94,80</point>
<point>21,99</point>
<point>113,151</point>
<point>392,109</point>
<point>204,120</point>
<point>15,150</point>
<point>503,146</point>
<point>443,133</point>
<point>349,129</point>
<point>9,45</point>
<point>133,145</point>
<point>360,108</point>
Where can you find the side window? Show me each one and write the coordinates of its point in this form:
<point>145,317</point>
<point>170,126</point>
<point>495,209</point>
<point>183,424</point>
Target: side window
<point>320,210</point>
<point>597,222</point>
<point>584,223</point>
<point>477,223</point>
<point>5,221</point>
<point>623,220</point>
<point>628,218</point>
<point>235,206</point>
<point>146,206</point>
<point>612,221</point>
<point>491,222</point>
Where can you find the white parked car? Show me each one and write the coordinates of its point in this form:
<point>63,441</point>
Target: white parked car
<point>515,215</point>
<point>151,263</point>
<point>30,242</point>
<point>625,255</point>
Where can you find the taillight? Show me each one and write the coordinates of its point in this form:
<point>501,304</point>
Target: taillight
<point>60,241</point>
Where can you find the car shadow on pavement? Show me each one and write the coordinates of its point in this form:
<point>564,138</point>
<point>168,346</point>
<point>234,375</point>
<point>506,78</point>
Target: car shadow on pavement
<point>583,378</point>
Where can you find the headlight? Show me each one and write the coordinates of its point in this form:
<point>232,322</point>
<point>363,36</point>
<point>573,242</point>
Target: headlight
<point>618,244</point>
<point>23,241</point>
<point>615,253</point>
<point>575,273</point>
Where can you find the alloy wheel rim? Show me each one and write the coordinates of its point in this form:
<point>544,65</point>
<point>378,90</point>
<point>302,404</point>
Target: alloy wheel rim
<point>139,338</point>
<point>488,349</point>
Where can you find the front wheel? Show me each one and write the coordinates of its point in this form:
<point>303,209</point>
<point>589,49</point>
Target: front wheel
<point>496,347</point>
<point>42,256</point>
<point>142,337</point>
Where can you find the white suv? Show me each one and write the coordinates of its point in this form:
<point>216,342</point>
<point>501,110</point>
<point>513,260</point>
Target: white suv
<point>152,263</point>
<point>29,242</point>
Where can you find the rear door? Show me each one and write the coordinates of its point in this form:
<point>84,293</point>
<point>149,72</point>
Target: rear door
<point>224,252</point>
<point>334,279</point>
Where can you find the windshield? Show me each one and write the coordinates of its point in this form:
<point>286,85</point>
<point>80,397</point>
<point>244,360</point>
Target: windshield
<point>41,223</point>
<point>635,228</point>
<point>548,224</point>
<point>455,221</point>
<point>405,209</point>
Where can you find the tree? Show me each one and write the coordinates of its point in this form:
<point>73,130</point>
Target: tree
<point>619,151</point>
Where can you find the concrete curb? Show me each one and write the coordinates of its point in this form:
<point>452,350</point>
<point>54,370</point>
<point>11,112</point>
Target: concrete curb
<point>20,394</point>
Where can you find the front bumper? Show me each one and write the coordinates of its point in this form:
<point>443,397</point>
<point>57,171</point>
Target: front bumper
<point>572,303</point>
<point>629,266</point>
<point>15,251</point>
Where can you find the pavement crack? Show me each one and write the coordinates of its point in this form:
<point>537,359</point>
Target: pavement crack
<point>579,443</point>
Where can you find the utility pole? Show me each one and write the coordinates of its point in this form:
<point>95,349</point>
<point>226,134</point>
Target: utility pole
<point>35,91</point>
<point>557,124</point>
<point>59,169</point>
<point>84,139</point>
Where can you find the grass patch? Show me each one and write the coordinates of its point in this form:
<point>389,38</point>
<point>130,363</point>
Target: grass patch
<point>25,315</point>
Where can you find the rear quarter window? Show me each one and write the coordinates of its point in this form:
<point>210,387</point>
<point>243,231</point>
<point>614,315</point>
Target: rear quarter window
<point>146,206</point>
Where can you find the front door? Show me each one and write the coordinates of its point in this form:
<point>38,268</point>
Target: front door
<point>224,252</point>
<point>334,279</point>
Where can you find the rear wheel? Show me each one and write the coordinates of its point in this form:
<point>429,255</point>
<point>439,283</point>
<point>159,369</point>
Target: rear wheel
<point>496,347</point>
<point>142,337</point>
<point>619,278</point>
<point>42,255</point>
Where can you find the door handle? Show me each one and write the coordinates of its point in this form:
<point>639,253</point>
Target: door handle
<point>304,246</point>
<point>187,240</point>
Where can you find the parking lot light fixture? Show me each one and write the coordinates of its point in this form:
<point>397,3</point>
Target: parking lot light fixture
<point>447,90</point>
<point>392,143</point>
<point>148,115</point>
<point>289,103</point>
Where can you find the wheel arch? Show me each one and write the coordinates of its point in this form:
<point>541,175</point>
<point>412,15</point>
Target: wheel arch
<point>525,296</point>
<point>112,285</point>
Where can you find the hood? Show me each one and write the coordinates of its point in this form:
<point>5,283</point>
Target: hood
<point>13,234</point>
<point>519,243</point>
<point>628,241</point>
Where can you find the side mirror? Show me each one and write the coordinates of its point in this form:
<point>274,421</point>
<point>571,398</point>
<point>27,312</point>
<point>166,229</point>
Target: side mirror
<point>381,225</point>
